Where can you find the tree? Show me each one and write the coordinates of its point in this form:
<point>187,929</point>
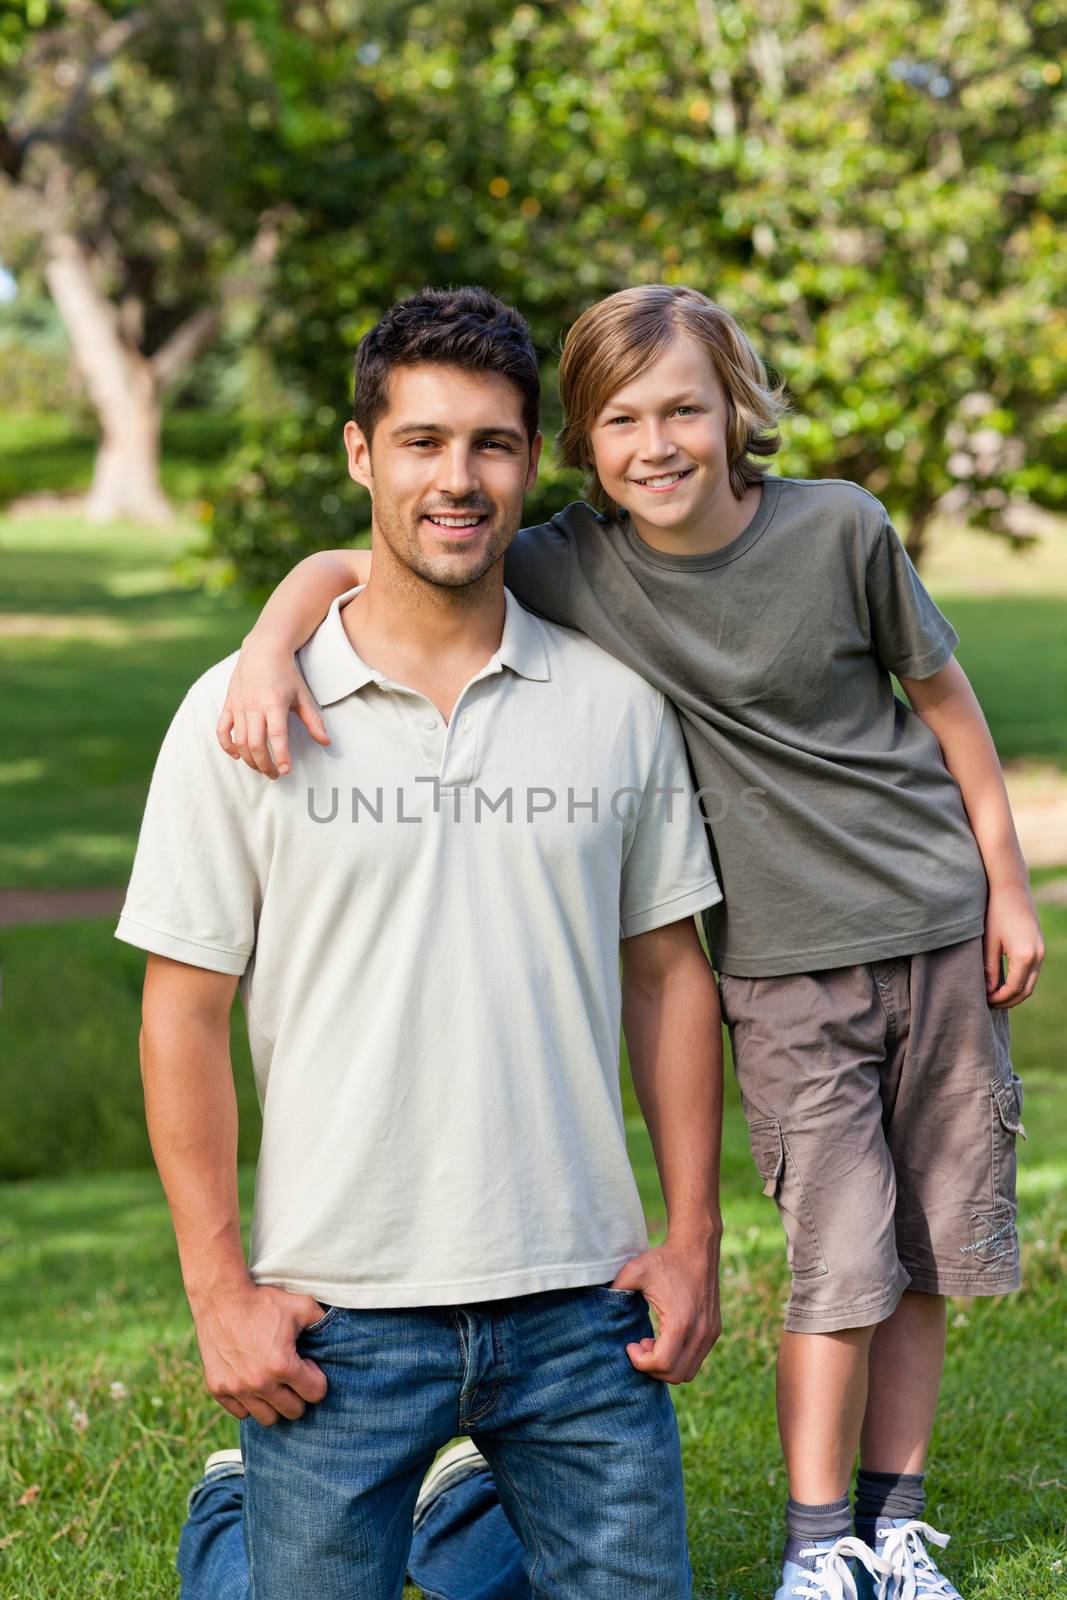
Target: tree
<point>874,189</point>
<point>134,185</point>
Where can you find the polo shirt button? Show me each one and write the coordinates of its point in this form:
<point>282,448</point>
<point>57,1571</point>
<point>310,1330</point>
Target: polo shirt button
<point>431,722</point>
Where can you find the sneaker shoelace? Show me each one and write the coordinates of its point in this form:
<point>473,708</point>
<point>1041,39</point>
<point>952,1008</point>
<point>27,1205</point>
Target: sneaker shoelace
<point>832,1578</point>
<point>910,1573</point>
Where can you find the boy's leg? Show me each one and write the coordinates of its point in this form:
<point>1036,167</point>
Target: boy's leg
<point>809,1052</point>
<point>585,1450</point>
<point>822,1397</point>
<point>329,1497</point>
<point>953,1114</point>
<point>906,1359</point>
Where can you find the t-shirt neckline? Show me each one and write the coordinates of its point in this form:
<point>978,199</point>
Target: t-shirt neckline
<point>711,558</point>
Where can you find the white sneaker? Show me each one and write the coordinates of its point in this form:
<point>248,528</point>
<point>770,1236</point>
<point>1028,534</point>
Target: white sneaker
<point>219,1458</point>
<point>911,1571</point>
<point>457,1461</point>
<point>825,1572</point>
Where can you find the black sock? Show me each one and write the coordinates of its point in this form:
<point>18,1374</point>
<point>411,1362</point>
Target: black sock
<point>887,1494</point>
<point>807,1525</point>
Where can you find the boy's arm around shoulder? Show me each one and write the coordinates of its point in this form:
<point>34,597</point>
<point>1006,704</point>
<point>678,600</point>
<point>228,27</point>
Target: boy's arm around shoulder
<point>266,683</point>
<point>948,705</point>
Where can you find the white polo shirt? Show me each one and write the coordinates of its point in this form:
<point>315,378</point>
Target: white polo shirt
<point>426,921</point>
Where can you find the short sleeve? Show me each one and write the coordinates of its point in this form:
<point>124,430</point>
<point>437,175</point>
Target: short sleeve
<point>909,634</point>
<point>537,570</point>
<point>667,873</point>
<point>195,890</point>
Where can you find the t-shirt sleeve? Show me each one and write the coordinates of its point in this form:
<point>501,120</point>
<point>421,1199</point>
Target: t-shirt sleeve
<point>908,632</point>
<point>195,891</point>
<point>537,569</point>
<point>667,873</point>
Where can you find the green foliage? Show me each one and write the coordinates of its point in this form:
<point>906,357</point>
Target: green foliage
<point>874,190</point>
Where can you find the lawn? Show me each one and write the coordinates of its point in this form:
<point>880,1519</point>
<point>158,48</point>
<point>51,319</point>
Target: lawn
<point>104,1421</point>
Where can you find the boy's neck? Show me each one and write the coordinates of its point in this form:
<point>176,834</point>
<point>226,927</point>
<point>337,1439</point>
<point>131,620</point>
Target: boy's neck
<point>718,524</point>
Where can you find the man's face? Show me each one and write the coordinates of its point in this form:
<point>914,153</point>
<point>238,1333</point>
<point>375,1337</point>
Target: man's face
<point>447,469</point>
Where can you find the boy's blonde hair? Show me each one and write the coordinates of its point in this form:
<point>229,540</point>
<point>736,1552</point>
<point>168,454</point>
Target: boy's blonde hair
<point>615,340</point>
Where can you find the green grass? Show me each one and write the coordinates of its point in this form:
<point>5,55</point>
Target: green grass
<point>88,694</point>
<point>1014,650</point>
<point>90,1296</point>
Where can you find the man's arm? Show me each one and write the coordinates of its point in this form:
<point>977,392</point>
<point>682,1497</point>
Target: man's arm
<point>267,683</point>
<point>949,707</point>
<point>246,1333</point>
<point>674,1036</point>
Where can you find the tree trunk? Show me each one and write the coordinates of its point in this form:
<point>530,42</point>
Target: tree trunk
<point>918,526</point>
<point>122,385</point>
<point>126,471</point>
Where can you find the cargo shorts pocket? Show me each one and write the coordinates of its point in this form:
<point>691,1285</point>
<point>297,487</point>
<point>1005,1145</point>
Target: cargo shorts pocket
<point>783,1183</point>
<point>1006,1097</point>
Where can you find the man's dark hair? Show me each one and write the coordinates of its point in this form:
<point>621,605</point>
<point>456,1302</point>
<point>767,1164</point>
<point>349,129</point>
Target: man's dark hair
<point>467,327</point>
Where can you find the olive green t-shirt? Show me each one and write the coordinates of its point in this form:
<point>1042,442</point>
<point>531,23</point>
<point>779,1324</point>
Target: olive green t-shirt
<point>839,834</point>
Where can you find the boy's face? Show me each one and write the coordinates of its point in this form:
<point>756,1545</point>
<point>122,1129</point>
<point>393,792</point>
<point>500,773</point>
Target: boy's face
<point>659,443</point>
<point>447,470</point>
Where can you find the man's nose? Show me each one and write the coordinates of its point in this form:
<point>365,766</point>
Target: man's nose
<point>458,473</point>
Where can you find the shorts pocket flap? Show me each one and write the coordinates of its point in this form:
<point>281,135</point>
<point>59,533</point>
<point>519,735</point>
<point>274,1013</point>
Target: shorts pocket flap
<point>768,1152</point>
<point>1008,1099</point>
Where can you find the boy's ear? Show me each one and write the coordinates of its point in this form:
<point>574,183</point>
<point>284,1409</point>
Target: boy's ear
<point>535,456</point>
<point>358,447</point>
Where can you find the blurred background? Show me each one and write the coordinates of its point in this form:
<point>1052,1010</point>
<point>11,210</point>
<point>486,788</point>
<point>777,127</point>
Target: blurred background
<point>203,205</point>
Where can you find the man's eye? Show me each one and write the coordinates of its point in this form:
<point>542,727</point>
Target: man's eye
<point>496,444</point>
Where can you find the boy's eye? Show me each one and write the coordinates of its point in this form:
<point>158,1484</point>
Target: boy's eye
<point>612,420</point>
<point>693,409</point>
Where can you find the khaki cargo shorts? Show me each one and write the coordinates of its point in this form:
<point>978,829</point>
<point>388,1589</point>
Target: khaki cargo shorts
<point>882,1113</point>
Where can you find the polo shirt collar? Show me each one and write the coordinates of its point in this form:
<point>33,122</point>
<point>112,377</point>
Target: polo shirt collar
<point>522,645</point>
<point>329,663</point>
<point>334,670</point>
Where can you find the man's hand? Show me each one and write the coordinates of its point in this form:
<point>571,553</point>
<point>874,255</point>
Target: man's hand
<point>682,1287</point>
<point>265,686</point>
<point>247,1341</point>
<point>1012,932</point>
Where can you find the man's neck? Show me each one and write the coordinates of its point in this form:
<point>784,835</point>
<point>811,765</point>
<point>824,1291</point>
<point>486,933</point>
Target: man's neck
<point>426,636</point>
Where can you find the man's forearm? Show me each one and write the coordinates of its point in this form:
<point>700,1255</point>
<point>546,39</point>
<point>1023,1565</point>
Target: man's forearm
<point>191,1110</point>
<point>304,595</point>
<point>674,1037</point>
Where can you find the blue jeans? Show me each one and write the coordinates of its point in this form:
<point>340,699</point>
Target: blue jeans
<point>586,1496</point>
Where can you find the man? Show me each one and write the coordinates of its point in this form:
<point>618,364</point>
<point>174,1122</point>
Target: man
<point>425,923</point>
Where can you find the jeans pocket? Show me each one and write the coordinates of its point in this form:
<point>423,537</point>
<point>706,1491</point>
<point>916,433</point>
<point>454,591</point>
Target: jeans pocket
<point>329,1315</point>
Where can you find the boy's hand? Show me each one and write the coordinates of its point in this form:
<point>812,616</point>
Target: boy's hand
<point>266,685</point>
<point>1012,933</point>
<point>247,1340</point>
<point>683,1290</point>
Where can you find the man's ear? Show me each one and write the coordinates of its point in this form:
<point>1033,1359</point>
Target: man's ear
<point>358,446</point>
<point>535,456</point>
